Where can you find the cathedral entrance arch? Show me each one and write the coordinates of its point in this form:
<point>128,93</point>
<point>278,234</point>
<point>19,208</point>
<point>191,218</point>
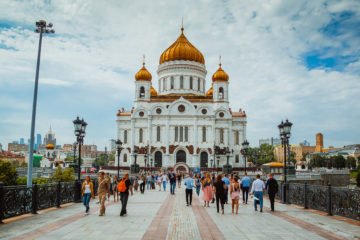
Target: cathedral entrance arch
<point>181,156</point>
<point>158,159</point>
<point>181,167</point>
<point>204,160</point>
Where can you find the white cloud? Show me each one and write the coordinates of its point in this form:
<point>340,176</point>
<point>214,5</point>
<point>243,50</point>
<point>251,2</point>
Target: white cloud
<point>98,49</point>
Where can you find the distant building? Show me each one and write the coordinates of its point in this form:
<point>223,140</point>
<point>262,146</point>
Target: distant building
<point>319,142</point>
<point>22,141</point>
<point>88,151</point>
<point>1,147</point>
<point>270,141</point>
<point>15,147</point>
<point>299,151</point>
<point>38,139</point>
<point>305,143</point>
<point>112,145</point>
<point>50,138</point>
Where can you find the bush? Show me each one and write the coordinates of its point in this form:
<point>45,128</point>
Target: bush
<point>66,175</point>
<point>23,180</point>
<point>8,174</point>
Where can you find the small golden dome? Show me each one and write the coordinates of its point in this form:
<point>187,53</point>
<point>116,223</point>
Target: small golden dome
<point>153,92</point>
<point>220,75</point>
<point>50,146</point>
<point>210,91</point>
<point>182,49</point>
<point>143,74</point>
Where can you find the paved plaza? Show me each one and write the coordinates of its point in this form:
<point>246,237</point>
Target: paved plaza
<point>159,215</point>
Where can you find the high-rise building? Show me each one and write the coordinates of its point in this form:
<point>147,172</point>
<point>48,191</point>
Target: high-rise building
<point>270,141</point>
<point>50,138</point>
<point>1,147</point>
<point>38,139</point>
<point>22,141</point>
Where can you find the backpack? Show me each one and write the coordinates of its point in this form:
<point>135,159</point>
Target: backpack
<point>121,186</point>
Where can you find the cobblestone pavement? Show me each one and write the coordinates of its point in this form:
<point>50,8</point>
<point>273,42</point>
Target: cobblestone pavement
<point>159,215</point>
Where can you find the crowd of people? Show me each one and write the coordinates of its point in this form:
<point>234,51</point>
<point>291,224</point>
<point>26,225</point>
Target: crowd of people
<point>216,189</point>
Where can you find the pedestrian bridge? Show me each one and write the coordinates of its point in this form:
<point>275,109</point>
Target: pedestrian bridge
<point>159,215</point>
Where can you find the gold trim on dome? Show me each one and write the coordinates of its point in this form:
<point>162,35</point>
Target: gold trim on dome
<point>182,49</point>
<point>220,75</point>
<point>153,92</point>
<point>210,92</point>
<point>143,74</point>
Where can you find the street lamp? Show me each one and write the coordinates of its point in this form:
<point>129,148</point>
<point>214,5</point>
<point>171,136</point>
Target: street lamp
<point>79,130</point>
<point>118,146</point>
<point>212,166</point>
<point>134,167</point>
<point>245,151</point>
<point>228,168</point>
<point>285,132</point>
<point>151,163</point>
<point>145,159</point>
<point>41,28</point>
<point>218,163</point>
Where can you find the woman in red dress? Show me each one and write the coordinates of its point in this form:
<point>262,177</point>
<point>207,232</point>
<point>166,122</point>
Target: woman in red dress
<point>207,190</point>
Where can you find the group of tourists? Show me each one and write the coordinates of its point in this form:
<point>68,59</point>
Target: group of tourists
<point>218,189</point>
<point>221,188</point>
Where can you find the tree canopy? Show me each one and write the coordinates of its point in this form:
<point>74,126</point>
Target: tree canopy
<point>8,174</point>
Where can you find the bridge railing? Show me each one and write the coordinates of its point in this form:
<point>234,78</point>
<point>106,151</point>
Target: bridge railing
<point>18,200</point>
<point>333,200</point>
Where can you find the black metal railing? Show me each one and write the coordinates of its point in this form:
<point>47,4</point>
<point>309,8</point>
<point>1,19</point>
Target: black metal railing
<point>333,200</point>
<point>18,200</point>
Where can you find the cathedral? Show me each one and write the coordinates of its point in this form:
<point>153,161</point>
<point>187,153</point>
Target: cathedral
<point>182,124</point>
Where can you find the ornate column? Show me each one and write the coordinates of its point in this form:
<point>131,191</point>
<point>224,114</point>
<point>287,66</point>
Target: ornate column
<point>167,142</point>
<point>132,141</point>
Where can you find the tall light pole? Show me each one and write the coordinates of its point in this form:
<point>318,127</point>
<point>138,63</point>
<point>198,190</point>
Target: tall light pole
<point>285,133</point>
<point>41,28</point>
<point>244,151</point>
<point>118,146</point>
<point>79,130</point>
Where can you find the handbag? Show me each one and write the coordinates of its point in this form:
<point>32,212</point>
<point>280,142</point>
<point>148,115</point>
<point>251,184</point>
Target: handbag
<point>140,181</point>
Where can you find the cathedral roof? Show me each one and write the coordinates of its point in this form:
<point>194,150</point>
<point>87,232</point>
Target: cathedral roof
<point>220,75</point>
<point>153,92</point>
<point>182,49</point>
<point>143,74</point>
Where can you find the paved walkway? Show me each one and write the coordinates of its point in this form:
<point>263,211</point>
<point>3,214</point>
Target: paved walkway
<point>159,215</point>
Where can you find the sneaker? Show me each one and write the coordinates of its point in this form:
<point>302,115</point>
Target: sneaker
<point>261,210</point>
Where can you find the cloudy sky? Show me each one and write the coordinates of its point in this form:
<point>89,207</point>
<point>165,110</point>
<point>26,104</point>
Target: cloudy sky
<point>286,59</point>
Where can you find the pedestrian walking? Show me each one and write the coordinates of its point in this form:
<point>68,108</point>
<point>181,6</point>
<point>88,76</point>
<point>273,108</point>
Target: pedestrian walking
<point>158,181</point>
<point>245,186</point>
<point>220,191</point>
<point>87,190</point>
<point>207,190</point>
<point>148,182</point>
<point>257,190</point>
<point>103,190</point>
<point>197,184</point>
<point>235,194</point>
<point>172,179</point>
<point>227,183</point>
<point>142,182</point>
<point>164,180</point>
<point>272,188</point>
<point>124,186</point>
<point>114,188</point>
<point>179,176</point>
<point>189,183</point>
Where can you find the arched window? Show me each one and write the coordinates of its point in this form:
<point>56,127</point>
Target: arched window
<point>186,134</point>
<point>204,134</point>
<point>203,160</point>
<point>125,136</point>
<point>142,92</point>
<point>158,159</point>
<point>221,135</point>
<point>236,158</point>
<point>198,84</point>
<point>125,158</point>
<point>172,83</point>
<point>221,93</point>
<point>181,82</point>
<point>236,137</point>
<point>158,133</point>
<point>191,83</point>
<point>140,135</point>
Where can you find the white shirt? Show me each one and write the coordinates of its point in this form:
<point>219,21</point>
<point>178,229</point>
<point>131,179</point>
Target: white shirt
<point>257,186</point>
<point>164,178</point>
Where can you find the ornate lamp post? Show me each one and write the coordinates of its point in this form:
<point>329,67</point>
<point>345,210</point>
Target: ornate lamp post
<point>145,160</point>
<point>118,146</point>
<point>285,132</point>
<point>134,168</point>
<point>245,151</point>
<point>41,27</point>
<point>228,168</point>
<point>217,163</point>
<point>151,163</point>
<point>212,166</point>
<point>80,127</point>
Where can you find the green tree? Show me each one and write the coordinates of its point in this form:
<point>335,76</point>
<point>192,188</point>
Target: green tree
<point>317,161</point>
<point>338,161</point>
<point>351,162</point>
<point>101,160</point>
<point>8,174</point>
<point>261,155</point>
<point>63,175</point>
<point>292,158</point>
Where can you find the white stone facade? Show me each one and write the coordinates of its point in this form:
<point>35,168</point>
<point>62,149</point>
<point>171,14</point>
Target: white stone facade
<point>169,124</point>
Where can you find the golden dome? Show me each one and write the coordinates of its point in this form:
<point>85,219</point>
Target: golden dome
<point>153,92</point>
<point>182,49</point>
<point>50,146</point>
<point>210,91</point>
<point>220,75</point>
<point>143,74</point>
